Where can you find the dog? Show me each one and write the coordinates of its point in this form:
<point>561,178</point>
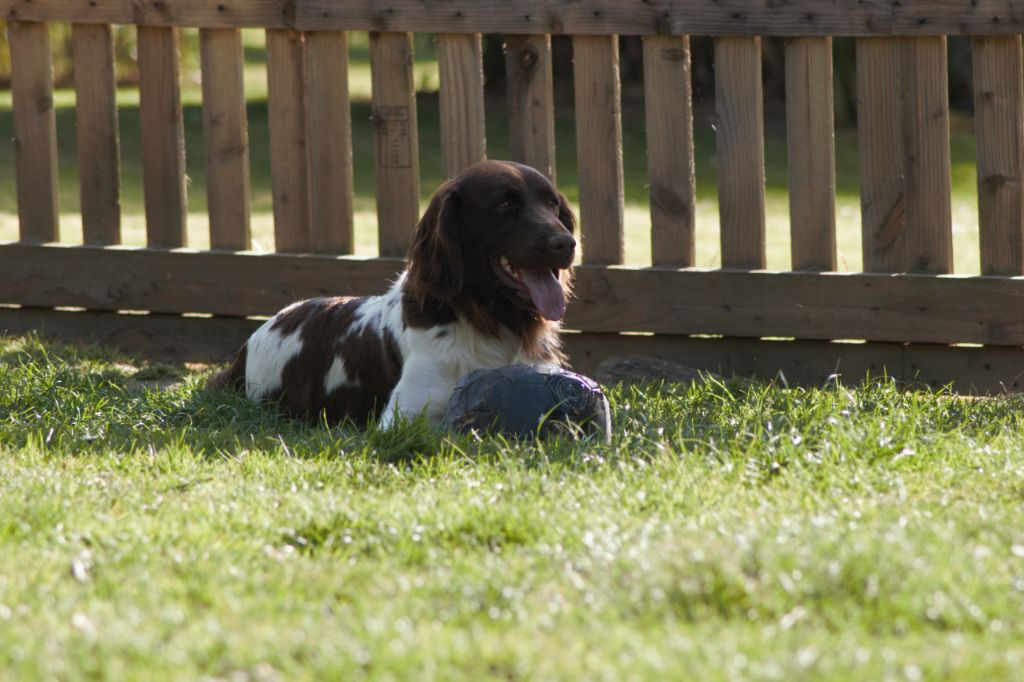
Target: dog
<point>487,280</point>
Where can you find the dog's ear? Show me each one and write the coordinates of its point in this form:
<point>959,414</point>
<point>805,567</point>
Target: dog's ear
<point>565,214</point>
<point>435,257</point>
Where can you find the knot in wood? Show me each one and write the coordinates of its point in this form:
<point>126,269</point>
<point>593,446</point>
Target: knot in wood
<point>528,58</point>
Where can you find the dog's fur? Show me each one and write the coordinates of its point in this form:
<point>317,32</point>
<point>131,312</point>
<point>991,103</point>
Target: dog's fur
<point>487,279</point>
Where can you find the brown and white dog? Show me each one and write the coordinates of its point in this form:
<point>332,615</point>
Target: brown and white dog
<point>486,284</point>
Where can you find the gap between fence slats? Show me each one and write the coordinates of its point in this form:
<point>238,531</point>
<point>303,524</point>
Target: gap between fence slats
<point>810,140</point>
<point>35,131</point>
<point>670,166</point>
<point>397,159</point>
<point>99,155</point>
<point>163,136</point>
<point>875,307</point>
<point>289,154</point>
<point>925,102</point>
<point>530,102</point>
<point>461,73</point>
<point>739,121</point>
<point>999,126</point>
<point>599,147</point>
<point>226,138</point>
<point>329,117</point>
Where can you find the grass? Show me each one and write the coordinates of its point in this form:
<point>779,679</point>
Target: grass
<point>964,178</point>
<point>152,529</point>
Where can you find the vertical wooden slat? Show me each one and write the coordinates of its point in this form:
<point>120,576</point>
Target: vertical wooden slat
<point>99,167</point>
<point>289,155</point>
<point>599,147</point>
<point>999,125</point>
<point>925,101</point>
<point>163,136</point>
<point>461,72</point>
<point>330,141</point>
<point>530,102</point>
<point>740,124</point>
<point>226,138</point>
<point>35,131</point>
<point>810,139</point>
<point>670,167</point>
<point>880,147</point>
<point>397,148</point>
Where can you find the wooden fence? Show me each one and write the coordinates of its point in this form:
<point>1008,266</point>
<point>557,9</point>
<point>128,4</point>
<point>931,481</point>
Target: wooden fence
<point>907,315</point>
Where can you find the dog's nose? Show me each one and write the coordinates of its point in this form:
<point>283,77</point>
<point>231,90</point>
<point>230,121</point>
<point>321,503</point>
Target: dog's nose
<point>562,243</point>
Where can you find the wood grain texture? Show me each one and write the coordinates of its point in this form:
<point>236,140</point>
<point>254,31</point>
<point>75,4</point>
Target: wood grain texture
<point>671,177</point>
<point>173,338</point>
<point>999,126</point>
<point>599,147</point>
<point>99,147</point>
<point>739,122</point>
<point>810,139</point>
<point>289,150</point>
<point>875,307</point>
<point>35,131</point>
<point>163,137</point>
<point>924,98</point>
<point>225,138</point>
<point>329,116</point>
<point>397,158</point>
<point>461,73</point>
<point>604,17</point>
<point>880,147</point>
<point>529,100</point>
<point>167,13</point>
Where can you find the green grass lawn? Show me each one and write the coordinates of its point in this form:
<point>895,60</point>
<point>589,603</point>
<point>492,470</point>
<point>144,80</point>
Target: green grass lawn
<point>150,529</point>
<point>965,221</point>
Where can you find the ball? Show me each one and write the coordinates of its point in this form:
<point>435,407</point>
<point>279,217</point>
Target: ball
<point>524,401</point>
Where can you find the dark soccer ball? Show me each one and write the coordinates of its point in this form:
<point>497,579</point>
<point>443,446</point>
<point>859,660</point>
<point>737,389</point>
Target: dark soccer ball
<point>524,401</point>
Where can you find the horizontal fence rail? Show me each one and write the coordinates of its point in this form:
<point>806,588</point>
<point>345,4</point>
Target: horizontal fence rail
<point>905,296</point>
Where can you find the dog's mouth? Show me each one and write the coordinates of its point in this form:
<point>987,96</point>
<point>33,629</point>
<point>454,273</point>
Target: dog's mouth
<point>540,286</point>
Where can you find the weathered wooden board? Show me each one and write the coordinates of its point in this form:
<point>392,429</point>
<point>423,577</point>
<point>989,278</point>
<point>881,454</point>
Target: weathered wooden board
<point>739,124</point>
<point>903,308</point>
<point>99,156</point>
<point>599,147</point>
<point>999,125</point>
<point>35,131</point>
<point>530,101</point>
<point>810,139</point>
<point>984,370</point>
<point>196,13</point>
<point>163,137</point>
<point>461,73</point>
<point>289,146</point>
<point>397,157</point>
<point>329,117</point>
<point>226,138</point>
<point>670,166</point>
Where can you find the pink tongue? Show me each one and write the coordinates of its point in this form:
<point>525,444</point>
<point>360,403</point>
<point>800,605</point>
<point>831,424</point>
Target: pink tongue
<point>545,292</point>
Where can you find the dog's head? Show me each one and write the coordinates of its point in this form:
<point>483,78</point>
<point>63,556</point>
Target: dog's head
<point>500,229</point>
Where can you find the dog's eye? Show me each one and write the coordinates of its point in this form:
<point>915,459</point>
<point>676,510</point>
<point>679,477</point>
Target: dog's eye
<point>505,205</point>
<point>553,202</point>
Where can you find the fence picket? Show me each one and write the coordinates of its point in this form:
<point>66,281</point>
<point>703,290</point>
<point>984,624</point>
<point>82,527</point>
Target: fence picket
<point>599,147</point>
<point>460,66</point>
<point>99,156</point>
<point>35,131</point>
<point>530,102</point>
<point>226,138</point>
<point>810,138</point>
<point>289,155</point>
<point>163,136</point>
<point>740,141</point>
<point>999,125</point>
<point>329,117</point>
<point>397,149</point>
<point>670,166</point>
